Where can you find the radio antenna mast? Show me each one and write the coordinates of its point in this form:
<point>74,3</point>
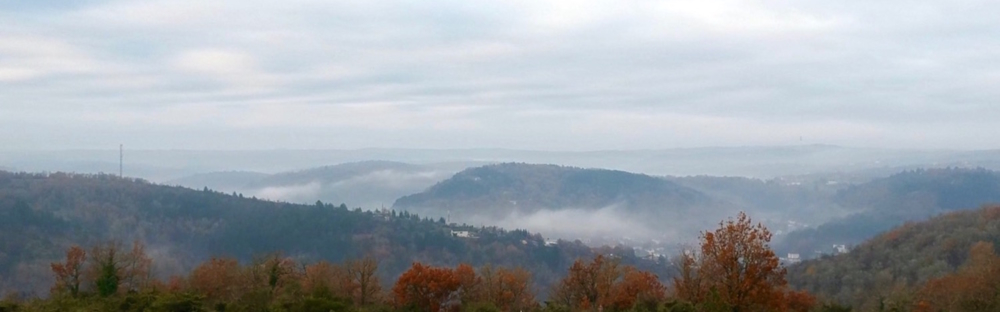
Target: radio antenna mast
<point>121,160</point>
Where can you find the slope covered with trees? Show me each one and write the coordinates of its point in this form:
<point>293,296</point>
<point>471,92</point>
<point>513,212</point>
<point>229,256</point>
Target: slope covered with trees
<point>563,196</point>
<point>41,215</point>
<point>888,270</point>
<point>528,187</point>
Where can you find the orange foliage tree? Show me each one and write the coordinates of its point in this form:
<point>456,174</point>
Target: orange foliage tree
<point>426,288</point>
<point>107,268</point>
<point>735,265</point>
<point>638,287</point>
<point>799,301</point>
<point>137,268</point>
<point>975,287</point>
<point>506,289</point>
<point>216,279</point>
<point>324,279</point>
<point>70,273</point>
<point>603,284</point>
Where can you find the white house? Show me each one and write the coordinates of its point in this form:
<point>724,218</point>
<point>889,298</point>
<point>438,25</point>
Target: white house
<point>794,258</point>
<point>462,234</point>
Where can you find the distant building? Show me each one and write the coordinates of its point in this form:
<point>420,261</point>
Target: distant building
<point>551,242</point>
<point>794,258</point>
<point>462,234</point>
<point>791,259</point>
<point>839,249</point>
<point>385,213</point>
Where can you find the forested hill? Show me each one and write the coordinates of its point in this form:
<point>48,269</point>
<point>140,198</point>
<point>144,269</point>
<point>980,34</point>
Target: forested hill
<point>888,202</point>
<point>892,266</point>
<point>526,188</point>
<point>43,214</point>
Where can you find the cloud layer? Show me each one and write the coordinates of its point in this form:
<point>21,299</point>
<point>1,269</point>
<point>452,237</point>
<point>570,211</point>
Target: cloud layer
<point>567,75</point>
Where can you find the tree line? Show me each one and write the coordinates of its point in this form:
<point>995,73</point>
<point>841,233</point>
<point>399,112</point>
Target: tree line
<point>734,270</point>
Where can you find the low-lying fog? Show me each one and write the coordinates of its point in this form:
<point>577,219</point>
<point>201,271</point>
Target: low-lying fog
<point>571,223</point>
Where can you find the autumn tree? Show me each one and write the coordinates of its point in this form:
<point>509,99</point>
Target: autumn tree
<point>506,289</point>
<point>468,283</point>
<point>364,282</point>
<point>581,288</point>
<point>217,279</point>
<point>604,284</point>
<point>137,268</point>
<point>70,273</point>
<point>735,264</point>
<point>799,301</point>
<point>426,288</point>
<point>637,287</point>
<point>975,287</point>
<point>114,270</point>
<point>324,280</point>
<point>267,278</point>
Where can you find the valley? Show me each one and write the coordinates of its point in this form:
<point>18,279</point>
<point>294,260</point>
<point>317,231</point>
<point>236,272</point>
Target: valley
<point>540,217</point>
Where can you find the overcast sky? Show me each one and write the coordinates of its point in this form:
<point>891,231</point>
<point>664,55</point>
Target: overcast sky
<point>544,75</point>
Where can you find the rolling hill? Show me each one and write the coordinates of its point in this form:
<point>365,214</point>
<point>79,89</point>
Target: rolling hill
<point>43,214</point>
<point>887,267</point>
<point>569,201</point>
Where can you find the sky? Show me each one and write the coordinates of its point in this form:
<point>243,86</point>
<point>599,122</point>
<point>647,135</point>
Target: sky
<point>515,74</point>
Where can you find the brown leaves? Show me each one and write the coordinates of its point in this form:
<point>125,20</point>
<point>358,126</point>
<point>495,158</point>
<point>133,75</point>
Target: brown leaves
<point>216,279</point>
<point>324,279</point>
<point>735,263</point>
<point>109,269</point>
<point>638,287</point>
<point>365,286</point>
<point>506,289</point>
<point>425,287</point>
<point>799,301</point>
<point>604,283</point>
<point>974,287</point>
<point>136,268</point>
<point>443,289</point>
<point>70,273</point>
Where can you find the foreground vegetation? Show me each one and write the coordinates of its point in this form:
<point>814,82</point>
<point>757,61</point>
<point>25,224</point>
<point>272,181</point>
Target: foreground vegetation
<point>735,271</point>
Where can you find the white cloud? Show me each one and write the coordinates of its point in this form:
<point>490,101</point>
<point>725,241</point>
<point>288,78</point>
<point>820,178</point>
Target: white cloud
<point>26,57</point>
<point>525,74</point>
<point>12,74</point>
<point>741,17</point>
<point>238,71</point>
<point>216,62</point>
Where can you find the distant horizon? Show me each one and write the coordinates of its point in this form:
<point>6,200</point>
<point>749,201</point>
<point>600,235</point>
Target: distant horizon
<point>265,149</point>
